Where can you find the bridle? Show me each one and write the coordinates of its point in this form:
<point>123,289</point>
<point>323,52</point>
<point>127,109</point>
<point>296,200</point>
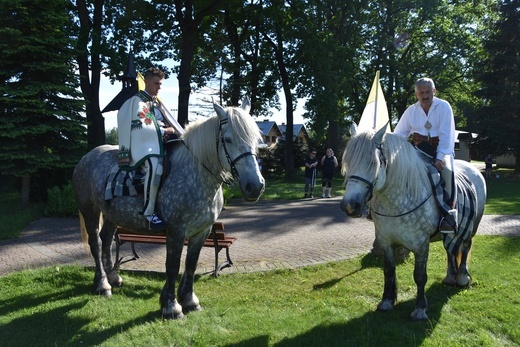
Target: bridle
<point>382,162</point>
<point>370,185</point>
<point>232,162</point>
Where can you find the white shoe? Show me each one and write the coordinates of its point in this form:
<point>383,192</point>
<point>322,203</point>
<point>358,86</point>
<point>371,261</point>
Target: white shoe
<point>328,196</point>
<point>322,195</point>
<point>155,223</point>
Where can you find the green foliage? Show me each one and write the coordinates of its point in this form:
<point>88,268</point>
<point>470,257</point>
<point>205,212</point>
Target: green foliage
<point>41,125</point>
<point>13,218</point>
<point>111,137</point>
<point>61,202</point>
<point>326,305</point>
<point>499,74</point>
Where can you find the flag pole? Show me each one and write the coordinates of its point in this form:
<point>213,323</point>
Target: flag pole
<point>375,103</point>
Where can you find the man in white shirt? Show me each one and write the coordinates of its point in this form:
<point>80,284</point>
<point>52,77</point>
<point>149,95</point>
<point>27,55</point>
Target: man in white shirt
<point>431,120</point>
<point>142,124</point>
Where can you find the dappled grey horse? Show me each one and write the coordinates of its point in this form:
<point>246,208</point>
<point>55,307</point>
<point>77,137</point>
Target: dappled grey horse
<point>189,199</point>
<point>385,173</point>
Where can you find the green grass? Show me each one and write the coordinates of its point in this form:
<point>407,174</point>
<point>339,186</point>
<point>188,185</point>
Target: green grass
<point>13,218</point>
<point>325,305</point>
<point>503,193</point>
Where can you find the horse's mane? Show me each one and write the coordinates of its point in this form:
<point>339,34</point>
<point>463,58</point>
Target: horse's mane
<point>360,154</point>
<point>201,136</point>
<point>405,169</point>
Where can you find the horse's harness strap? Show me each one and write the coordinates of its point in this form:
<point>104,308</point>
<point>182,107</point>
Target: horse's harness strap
<point>367,182</point>
<point>382,161</point>
<point>231,162</point>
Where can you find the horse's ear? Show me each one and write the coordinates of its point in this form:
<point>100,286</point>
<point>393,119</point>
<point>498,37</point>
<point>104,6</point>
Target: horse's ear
<point>378,137</point>
<point>353,129</point>
<point>220,111</point>
<point>246,104</point>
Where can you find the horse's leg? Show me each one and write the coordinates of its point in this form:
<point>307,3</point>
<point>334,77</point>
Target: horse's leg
<point>453,268</point>
<point>390,287</point>
<point>464,277</point>
<point>169,305</point>
<point>420,277</point>
<point>91,219</point>
<point>185,293</point>
<point>107,237</point>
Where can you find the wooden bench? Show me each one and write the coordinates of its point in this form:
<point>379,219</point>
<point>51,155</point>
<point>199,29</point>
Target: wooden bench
<point>217,240</point>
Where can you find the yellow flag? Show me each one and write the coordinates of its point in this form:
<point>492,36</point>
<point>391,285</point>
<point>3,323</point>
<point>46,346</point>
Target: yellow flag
<point>140,81</point>
<point>375,114</point>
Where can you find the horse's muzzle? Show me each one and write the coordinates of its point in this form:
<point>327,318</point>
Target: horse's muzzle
<point>354,210</point>
<point>253,190</point>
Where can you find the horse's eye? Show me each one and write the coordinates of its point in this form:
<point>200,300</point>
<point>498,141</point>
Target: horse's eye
<point>228,140</point>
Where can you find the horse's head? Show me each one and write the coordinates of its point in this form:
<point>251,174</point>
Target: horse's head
<point>237,144</point>
<point>364,168</point>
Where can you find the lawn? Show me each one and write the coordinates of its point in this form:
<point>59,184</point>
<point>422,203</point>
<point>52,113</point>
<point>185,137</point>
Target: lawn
<point>325,305</point>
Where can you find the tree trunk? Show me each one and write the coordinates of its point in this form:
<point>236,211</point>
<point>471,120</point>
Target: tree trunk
<point>25,193</point>
<point>184,77</point>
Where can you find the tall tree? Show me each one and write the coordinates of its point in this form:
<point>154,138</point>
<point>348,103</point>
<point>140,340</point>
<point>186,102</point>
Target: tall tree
<point>190,15</point>
<point>40,125</point>
<point>499,119</point>
<point>89,47</point>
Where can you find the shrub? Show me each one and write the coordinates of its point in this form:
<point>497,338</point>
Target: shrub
<point>61,202</point>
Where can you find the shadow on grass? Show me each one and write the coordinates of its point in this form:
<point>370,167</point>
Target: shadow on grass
<point>394,328</point>
<point>53,319</point>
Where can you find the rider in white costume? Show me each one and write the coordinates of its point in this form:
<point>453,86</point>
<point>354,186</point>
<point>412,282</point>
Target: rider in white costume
<point>431,120</point>
<point>143,124</point>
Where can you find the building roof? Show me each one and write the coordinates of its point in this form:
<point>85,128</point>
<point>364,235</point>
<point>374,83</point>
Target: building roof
<point>297,128</point>
<point>266,127</point>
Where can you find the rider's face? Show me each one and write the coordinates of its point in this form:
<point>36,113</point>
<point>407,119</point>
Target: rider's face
<point>424,94</point>
<point>153,85</point>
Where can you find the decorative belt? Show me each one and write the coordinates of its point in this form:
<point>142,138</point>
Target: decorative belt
<point>418,138</point>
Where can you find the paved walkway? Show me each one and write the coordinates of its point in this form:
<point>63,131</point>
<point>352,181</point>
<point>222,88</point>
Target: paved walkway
<point>271,235</point>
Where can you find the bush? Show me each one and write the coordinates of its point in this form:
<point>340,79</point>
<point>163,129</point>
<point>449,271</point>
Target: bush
<point>61,202</point>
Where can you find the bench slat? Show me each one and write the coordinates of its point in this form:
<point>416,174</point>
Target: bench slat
<point>223,242</point>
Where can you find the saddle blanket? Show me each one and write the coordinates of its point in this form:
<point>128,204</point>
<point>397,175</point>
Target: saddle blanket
<point>122,182</point>
<point>466,206</point>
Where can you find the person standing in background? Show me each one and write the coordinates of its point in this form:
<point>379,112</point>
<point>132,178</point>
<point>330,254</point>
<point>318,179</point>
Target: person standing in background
<point>328,163</point>
<point>310,173</point>
<point>489,165</point>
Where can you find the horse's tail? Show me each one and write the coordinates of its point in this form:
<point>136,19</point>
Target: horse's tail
<point>83,229</point>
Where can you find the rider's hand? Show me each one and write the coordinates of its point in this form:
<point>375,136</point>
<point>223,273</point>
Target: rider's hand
<point>439,165</point>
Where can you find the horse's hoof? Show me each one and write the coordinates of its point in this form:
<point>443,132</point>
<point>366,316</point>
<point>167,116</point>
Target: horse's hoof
<point>103,290</point>
<point>449,280</point>
<point>187,309</point>
<point>172,311</point>
<point>463,281</point>
<point>419,314</point>
<point>385,306</point>
<point>115,280</point>
<point>106,292</point>
<point>172,315</point>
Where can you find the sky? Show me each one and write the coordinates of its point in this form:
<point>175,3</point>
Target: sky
<point>169,95</point>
